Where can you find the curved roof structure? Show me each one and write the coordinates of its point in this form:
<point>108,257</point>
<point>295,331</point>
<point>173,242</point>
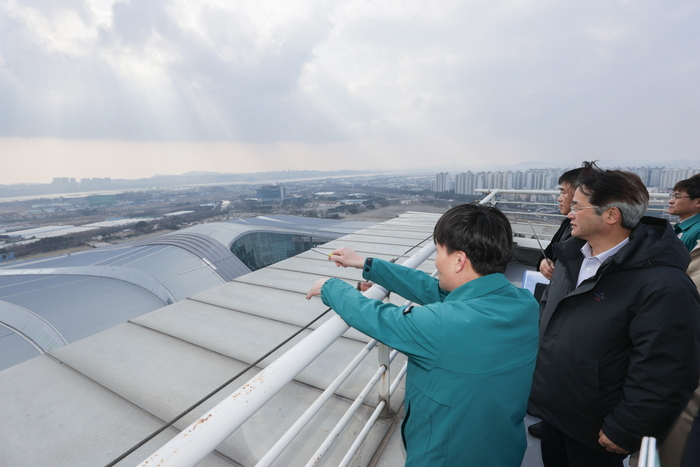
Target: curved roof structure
<point>228,232</point>
<point>90,291</point>
<point>212,252</point>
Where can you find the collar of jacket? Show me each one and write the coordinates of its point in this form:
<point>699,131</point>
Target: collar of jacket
<point>478,287</point>
<point>651,242</point>
<point>687,223</point>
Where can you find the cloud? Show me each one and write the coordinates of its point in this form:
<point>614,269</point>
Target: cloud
<point>437,80</point>
<point>161,70</point>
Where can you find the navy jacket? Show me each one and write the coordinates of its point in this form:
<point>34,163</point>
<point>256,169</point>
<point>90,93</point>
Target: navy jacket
<point>562,234</point>
<point>621,351</point>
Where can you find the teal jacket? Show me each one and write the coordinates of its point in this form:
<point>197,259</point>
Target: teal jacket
<point>689,231</point>
<point>471,356</point>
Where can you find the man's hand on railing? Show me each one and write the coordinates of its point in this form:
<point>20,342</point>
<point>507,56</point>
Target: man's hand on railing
<point>345,257</point>
<point>316,288</point>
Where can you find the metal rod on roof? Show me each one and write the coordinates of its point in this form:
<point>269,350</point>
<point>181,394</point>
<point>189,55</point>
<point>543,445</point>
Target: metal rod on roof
<point>195,442</point>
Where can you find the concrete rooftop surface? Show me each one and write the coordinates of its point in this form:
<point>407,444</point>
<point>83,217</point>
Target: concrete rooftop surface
<point>86,403</point>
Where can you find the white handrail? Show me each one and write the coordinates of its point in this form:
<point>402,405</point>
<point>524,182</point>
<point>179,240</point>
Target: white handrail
<point>345,419</point>
<point>370,423</point>
<point>648,456</point>
<point>301,422</point>
<point>199,439</point>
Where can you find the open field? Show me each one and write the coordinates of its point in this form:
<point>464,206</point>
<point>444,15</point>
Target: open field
<point>381,214</point>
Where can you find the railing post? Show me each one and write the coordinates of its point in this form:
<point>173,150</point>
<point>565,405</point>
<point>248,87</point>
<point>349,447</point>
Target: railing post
<point>383,353</point>
<point>489,197</point>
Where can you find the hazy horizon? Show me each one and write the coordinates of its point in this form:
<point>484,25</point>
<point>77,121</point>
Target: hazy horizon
<point>307,174</point>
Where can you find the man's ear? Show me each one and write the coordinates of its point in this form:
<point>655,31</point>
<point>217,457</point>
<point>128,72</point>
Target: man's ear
<point>462,261</point>
<point>613,216</point>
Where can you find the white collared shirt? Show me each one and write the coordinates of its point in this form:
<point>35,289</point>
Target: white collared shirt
<point>591,264</point>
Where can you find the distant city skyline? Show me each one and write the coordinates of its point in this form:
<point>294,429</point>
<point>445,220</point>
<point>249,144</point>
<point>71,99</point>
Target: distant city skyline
<point>465,183</point>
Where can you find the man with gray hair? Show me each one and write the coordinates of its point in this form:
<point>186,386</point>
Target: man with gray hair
<point>620,328</point>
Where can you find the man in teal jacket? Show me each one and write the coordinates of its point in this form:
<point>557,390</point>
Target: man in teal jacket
<point>685,203</point>
<point>471,344</point>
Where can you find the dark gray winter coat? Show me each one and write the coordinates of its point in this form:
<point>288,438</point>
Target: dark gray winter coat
<point>622,351</point>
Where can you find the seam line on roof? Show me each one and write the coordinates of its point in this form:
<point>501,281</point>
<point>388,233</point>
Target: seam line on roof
<point>53,286</point>
<point>148,328</point>
<point>362,241</point>
<point>313,258</point>
<point>263,317</point>
<point>391,233</point>
<point>105,388</point>
<point>281,288</point>
<point>155,250</point>
<point>254,368</point>
<point>318,276</point>
<point>38,278</point>
<point>202,266</point>
<point>246,312</point>
<point>125,256</point>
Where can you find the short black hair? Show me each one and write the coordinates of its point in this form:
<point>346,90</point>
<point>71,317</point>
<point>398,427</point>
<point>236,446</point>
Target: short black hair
<point>625,191</point>
<point>481,231</point>
<point>690,186</point>
<point>572,176</point>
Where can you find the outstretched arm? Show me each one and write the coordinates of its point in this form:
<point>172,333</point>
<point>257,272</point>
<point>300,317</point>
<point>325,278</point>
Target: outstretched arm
<point>411,284</point>
<point>415,331</point>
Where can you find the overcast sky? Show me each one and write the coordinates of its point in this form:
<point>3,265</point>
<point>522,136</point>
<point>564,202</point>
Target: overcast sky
<point>129,89</point>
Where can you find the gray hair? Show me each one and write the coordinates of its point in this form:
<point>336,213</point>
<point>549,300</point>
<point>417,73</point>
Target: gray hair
<point>631,213</point>
<point>625,191</point>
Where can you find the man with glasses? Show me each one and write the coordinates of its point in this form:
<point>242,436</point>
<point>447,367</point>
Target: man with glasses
<point>619,331</point>
<point>685,203</point>
<point>568,182</point>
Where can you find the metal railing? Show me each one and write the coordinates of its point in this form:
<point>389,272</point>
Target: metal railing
<point>338,428</point>
<point>657,200</point>
<point>202,437</point>
<point>648,454</point>
<point>301,422</point>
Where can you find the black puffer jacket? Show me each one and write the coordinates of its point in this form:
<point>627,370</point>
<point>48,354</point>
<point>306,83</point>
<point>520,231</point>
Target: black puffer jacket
<point>622,351</point>
<point>562,234</point>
